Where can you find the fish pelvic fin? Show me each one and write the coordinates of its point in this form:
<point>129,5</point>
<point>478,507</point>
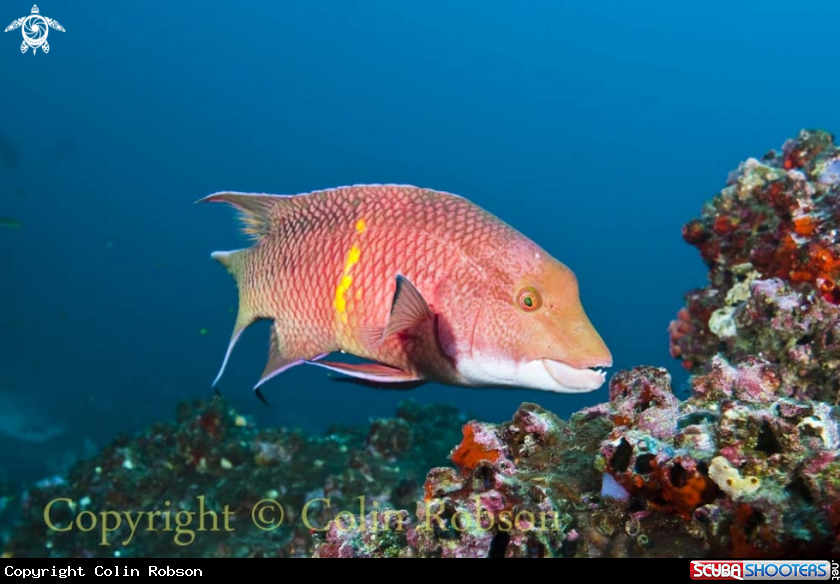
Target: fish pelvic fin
<point>259,213</point>
<point>372,372</point>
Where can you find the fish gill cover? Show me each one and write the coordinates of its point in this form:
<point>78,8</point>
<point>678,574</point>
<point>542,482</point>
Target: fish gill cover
<point>747,466</point>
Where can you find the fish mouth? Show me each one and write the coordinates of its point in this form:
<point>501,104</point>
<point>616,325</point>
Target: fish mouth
<point>574,379</point>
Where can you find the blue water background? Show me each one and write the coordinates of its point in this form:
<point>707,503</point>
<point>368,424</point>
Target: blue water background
<point>597,128</point>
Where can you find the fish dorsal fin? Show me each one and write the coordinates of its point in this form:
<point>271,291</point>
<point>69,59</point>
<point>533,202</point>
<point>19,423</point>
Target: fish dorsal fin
<point>257,211</point>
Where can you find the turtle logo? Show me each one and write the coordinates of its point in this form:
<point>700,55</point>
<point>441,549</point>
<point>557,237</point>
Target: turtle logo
<point>35,29</point>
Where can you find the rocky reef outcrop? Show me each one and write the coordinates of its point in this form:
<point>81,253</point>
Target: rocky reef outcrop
<point>739,469</point>
<point>770,240</point>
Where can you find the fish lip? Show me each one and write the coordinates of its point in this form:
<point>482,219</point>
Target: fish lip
<point>576,379</point>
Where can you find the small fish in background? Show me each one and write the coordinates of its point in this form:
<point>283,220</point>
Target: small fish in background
<point>10,223</point>
<point>424,284</point>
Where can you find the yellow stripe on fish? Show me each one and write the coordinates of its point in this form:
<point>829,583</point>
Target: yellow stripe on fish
<point>346,281</point>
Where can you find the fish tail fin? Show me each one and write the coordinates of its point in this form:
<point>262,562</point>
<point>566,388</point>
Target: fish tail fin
<point>258,213</point>
<point>285,349</point>
<point>248,313</point>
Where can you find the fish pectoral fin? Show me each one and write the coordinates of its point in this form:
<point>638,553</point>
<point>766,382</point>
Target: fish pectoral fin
<point>371,337</point>
<point>408,308</point>
<point>369,371</point>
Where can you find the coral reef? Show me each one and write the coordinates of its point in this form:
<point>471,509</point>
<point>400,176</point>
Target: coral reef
<point>736,470</point>
<point>752,470</point>
<point>770,240</point>
<point>206,485</point>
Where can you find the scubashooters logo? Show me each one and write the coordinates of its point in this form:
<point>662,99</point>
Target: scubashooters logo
<point>763,570</point>
<point>35,29</point>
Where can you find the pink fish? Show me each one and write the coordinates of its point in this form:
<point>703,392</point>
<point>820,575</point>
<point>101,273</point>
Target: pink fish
<point>423,285</point>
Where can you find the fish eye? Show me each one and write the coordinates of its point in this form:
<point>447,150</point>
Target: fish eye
<point>529,299</point>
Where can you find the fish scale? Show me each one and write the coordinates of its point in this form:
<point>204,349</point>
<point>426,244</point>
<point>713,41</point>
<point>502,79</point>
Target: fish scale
<point>339,269</point>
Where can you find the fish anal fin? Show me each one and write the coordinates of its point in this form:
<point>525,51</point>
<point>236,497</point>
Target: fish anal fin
<point>375,372</point>
<point>277,363</point>
<point>408,309</point>
<point>257,211</point>
<point>281,358</point>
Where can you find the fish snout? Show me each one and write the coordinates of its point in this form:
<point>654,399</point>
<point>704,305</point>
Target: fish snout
<point>596,356</point>
<point>587,349</point>
<point>582,362</point>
